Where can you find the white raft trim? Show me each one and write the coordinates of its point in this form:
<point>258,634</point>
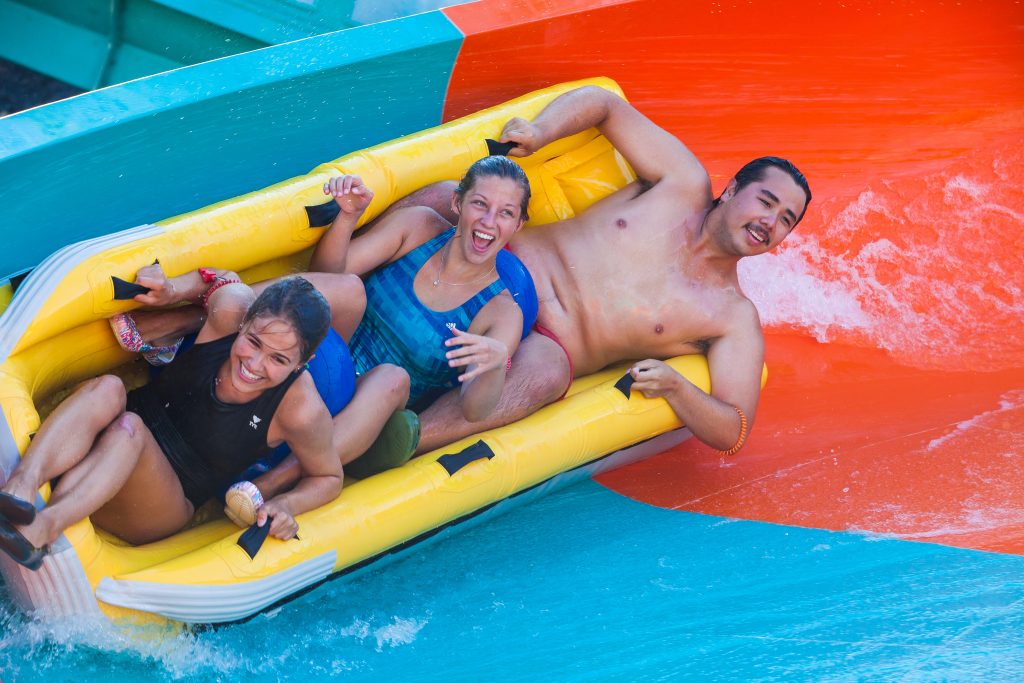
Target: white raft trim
<point>58,589</point>
<point>45,277</point>
<point>213,604</point>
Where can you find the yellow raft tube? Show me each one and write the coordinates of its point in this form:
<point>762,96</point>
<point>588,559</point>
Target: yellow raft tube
<point>55,334</point>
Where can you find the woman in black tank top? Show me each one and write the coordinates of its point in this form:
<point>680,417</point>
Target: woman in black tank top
<point>240,390</point>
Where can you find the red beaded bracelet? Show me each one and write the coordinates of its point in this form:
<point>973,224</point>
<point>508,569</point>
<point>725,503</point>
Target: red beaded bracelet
<point>220,282</point>
<point>743,433</point>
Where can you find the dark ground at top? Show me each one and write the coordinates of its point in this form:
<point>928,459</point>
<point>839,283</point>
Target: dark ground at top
<point>22,88</point>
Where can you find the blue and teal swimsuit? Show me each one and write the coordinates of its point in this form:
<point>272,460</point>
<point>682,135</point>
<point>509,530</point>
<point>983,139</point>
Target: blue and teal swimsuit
<point>397,328</point>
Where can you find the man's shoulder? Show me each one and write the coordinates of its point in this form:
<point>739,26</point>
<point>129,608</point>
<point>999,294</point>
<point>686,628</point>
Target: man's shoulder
<point>653,203</point>
<point>742,318</point>
<point>680,196</point>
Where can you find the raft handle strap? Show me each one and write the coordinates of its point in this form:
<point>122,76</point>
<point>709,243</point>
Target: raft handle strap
<point>124,290</point>
<point>501,149</point>
<point>127,290</point>
<point>624,384</point>
<point>321,215</point>
<point>252,539</point>
<point>453,462</point>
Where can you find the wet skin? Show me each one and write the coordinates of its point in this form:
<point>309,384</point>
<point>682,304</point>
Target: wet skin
<point>633,276</point>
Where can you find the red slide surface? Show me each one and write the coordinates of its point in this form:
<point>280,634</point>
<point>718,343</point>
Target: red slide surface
<point>895,400</point>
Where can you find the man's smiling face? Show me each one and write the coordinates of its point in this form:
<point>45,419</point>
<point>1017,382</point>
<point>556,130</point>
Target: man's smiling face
<point>763,213</point>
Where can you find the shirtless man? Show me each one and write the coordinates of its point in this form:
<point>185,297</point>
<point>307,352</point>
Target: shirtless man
<point>648,272</point>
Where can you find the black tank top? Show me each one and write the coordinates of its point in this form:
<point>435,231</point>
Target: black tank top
<point>208,442</point>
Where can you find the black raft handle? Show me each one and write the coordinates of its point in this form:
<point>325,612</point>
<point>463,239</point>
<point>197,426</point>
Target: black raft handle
<point>127,290</point>
<point>253,538</point>
<point>320,215</point>
<point>624,384</point>
<point>124,290</point>
<point>453,462</point>
<point>501,149</point>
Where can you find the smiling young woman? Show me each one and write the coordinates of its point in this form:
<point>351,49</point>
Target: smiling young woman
<point>139,463</point>
<point>437,304</point>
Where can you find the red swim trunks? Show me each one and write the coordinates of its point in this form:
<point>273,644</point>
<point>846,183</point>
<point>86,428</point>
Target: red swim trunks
<point>540,329</point>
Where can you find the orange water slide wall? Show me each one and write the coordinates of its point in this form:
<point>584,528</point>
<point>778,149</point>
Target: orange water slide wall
<point>895,402</point>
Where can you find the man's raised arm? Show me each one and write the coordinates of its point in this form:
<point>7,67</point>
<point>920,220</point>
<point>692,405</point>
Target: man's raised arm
<point>655,154</point>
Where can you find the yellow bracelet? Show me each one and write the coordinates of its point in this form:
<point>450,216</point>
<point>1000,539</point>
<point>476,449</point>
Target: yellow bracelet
<point>743,433</point>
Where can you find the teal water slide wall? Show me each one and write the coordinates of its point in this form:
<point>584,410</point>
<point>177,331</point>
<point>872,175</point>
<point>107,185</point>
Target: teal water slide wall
<point>161,146</point>
<point>96,43</point>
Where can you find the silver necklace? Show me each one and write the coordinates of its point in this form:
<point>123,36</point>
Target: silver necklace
<point>440,268</point>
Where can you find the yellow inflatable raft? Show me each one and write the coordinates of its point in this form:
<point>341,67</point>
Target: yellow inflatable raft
<point>55,334</point>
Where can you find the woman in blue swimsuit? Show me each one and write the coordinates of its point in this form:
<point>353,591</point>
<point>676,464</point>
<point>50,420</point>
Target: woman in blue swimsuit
<point>437,304</point>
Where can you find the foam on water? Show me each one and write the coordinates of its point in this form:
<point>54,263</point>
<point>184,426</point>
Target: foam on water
<point>925,266</point>
<point>40,645</point>
<point>1008,402</point>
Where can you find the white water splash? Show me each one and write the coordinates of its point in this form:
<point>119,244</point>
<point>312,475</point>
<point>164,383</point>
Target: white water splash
<point>975,515</point>
<point>925,267</point>
<point>395,633</point>
<point>43,644</point>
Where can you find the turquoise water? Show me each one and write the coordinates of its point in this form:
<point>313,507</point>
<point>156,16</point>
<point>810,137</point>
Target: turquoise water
<point>586,585</point>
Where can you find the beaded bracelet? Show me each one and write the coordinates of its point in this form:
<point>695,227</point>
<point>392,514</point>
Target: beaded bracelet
<point>743,433</point>
<point>219,281</point>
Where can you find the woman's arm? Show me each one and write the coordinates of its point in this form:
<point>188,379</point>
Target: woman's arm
<point>484,350</point>
<point>304,422</point>
<point>221,293</point>
<point>352,197</point>
<point>392,237</point>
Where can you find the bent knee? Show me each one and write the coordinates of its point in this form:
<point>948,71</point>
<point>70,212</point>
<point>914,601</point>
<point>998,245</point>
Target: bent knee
<point>345,294</point>
<point>395,380</point>
<point>106,390</point>
<point>540,371</point>
<point>127,428</point>
<point>345,285</point>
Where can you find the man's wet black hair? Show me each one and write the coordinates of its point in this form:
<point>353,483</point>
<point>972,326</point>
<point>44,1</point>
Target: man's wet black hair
<point>753,171</point>
<point>296,300</point>
<point>498,167</point>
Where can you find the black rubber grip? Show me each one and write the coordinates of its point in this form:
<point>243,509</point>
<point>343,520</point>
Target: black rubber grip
<point>624,384</point>
<point>453,462</point>
<point>322,214</point>
<point>252,539</point>
<point>495,148</point>
<point>127,290</point>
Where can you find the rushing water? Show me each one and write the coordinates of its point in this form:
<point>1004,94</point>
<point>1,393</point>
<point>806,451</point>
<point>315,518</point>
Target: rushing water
<point>927,267</point>
<point>587,585</point>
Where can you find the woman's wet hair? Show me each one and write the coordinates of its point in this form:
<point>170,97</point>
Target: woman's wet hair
<point>754,171</point>
<point>497,167</point>
<point>300,303</point>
